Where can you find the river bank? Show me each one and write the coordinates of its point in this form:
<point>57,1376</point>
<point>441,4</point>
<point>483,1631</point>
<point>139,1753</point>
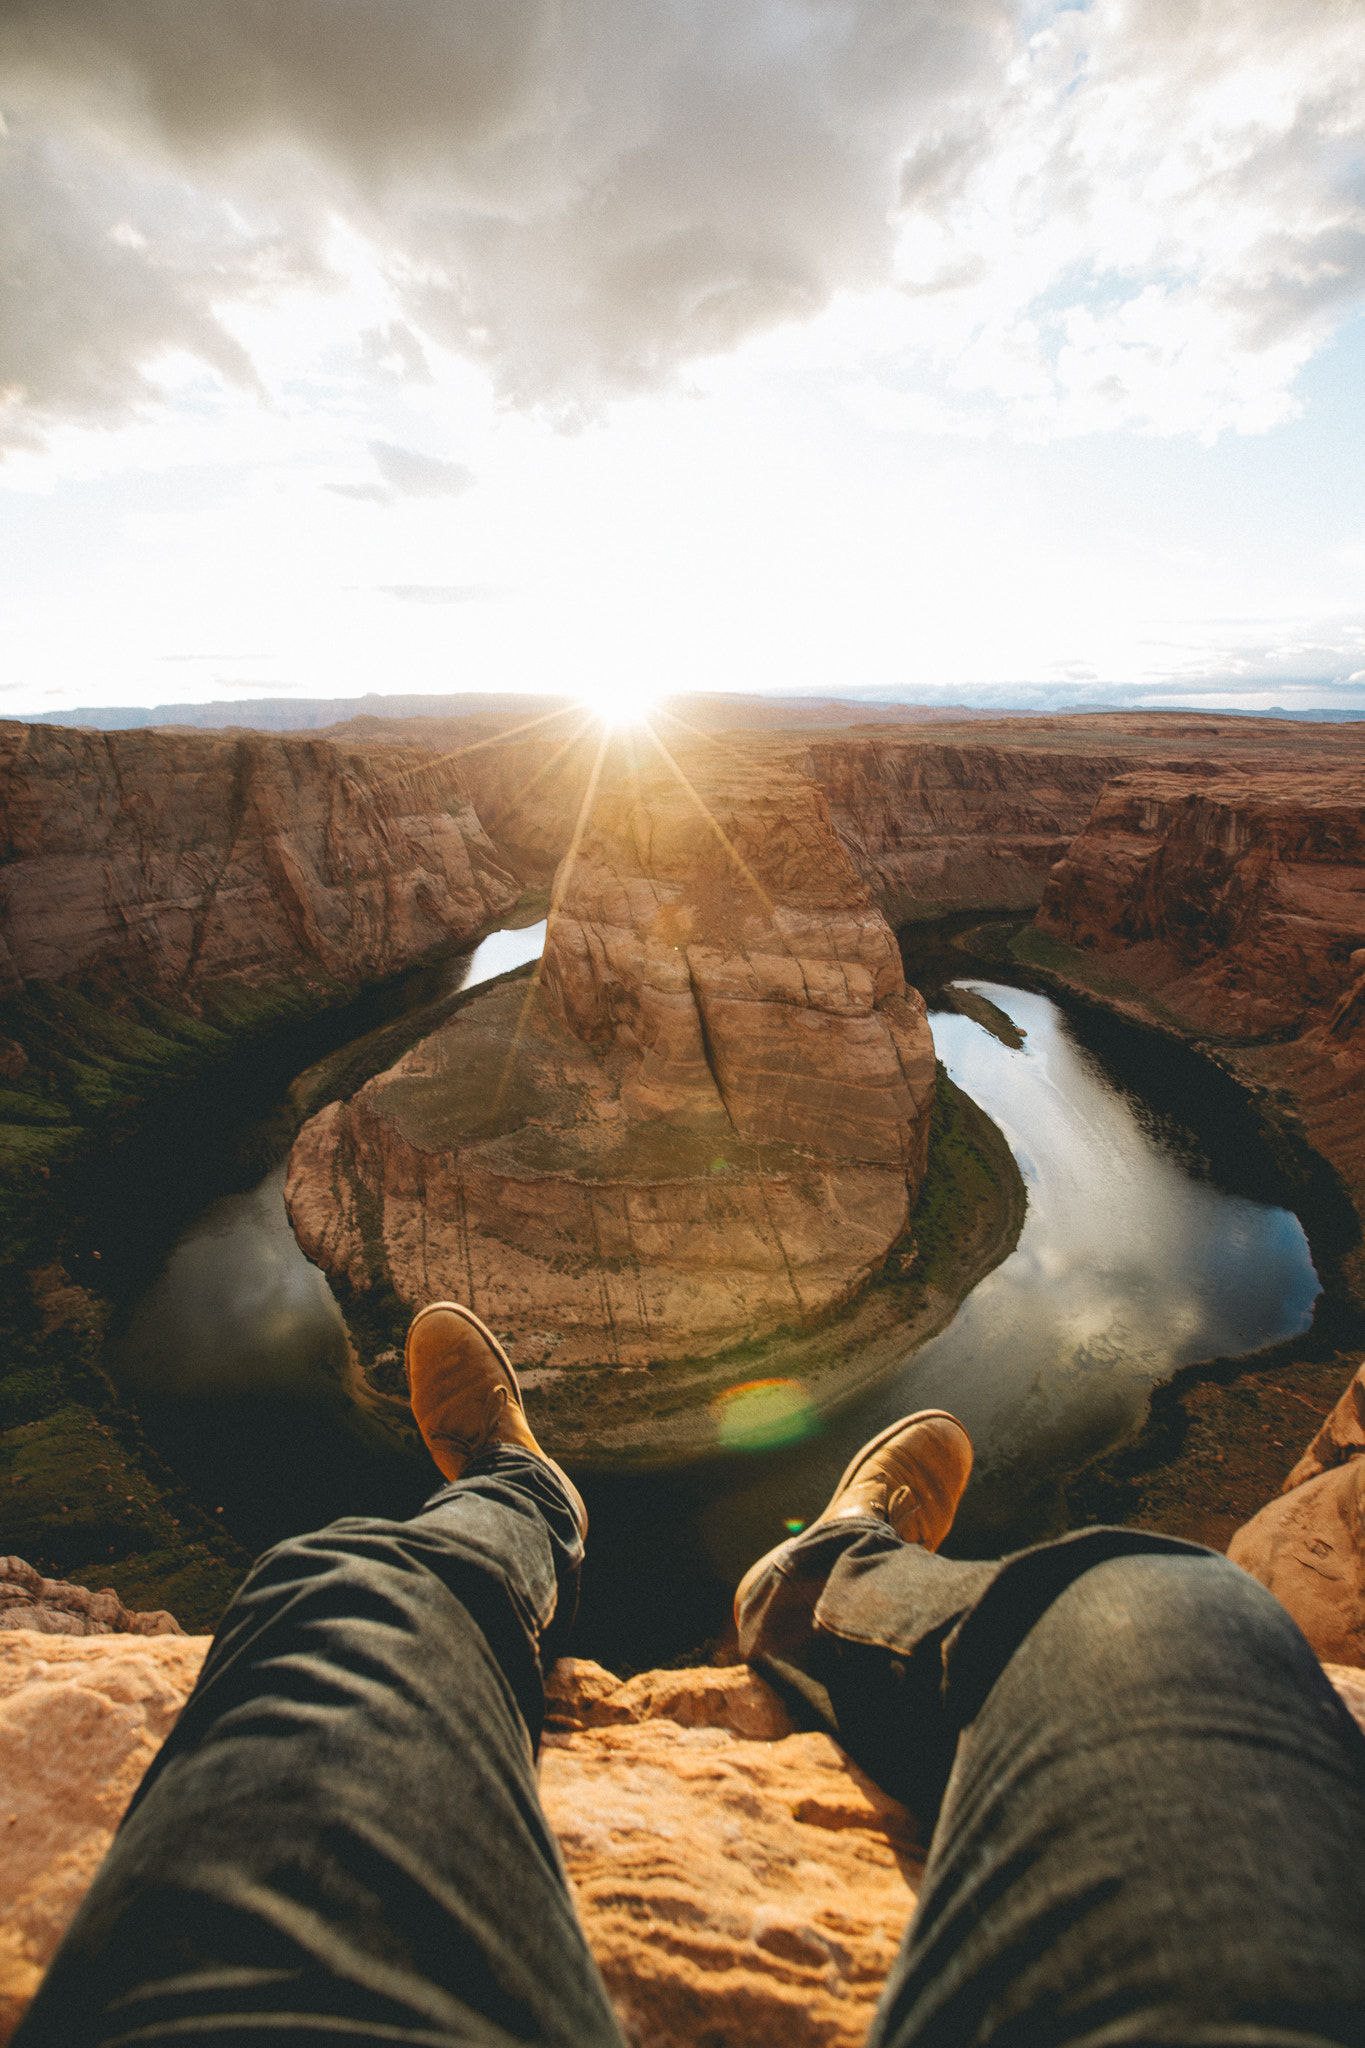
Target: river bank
<point>120,1095</point>
<point>1219,1438</point>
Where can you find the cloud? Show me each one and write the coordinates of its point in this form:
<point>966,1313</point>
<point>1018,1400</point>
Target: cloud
<point>407,473</point>
<point>1145,214</point>
<point>413,475</point>
<point>438,593</point>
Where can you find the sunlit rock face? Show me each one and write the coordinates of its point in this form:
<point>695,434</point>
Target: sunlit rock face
<point>707,1121</point>
<point>1239,897</point>
<point>183,861</point>
<point>934,827</point>
<point>1308,1545</point>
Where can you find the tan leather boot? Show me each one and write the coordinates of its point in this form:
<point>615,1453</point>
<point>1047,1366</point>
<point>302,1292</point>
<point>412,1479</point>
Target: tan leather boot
<point>464,1394</point>
<point>912,1474</point>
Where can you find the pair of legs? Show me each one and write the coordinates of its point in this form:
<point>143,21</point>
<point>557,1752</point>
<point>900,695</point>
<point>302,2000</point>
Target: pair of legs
<point>1149,1803</point>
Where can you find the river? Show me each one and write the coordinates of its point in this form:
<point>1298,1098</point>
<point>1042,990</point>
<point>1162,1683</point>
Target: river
<point>1157,1234</point>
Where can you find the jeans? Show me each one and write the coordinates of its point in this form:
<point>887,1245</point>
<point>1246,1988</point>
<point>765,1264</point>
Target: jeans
<point>1150,1804</point>
<point>1143,1789</point>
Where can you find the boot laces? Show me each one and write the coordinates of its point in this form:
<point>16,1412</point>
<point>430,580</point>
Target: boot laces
<point>495,1403</point>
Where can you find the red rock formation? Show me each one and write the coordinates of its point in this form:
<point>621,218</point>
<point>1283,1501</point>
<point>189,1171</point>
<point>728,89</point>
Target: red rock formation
<point>1229,903</point>
<point>1308,1547</point>
<point>177,860</point>
<point>930,825</point>
<point>1240,901</point>
<point>934,827</point>
<point>708,1122</point>
<point>55,1608</point>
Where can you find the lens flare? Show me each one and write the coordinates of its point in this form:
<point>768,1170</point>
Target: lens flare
<point>763,1414</point>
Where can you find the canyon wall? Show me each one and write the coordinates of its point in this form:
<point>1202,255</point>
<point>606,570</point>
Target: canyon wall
<point>1231,907</point>
<point>934,827</point>
<point>706,1121</point>
<point>1239,901</point>
<point>931,826</point>
<point>177,861</point>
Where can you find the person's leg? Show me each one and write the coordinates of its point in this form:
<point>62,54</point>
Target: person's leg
<point>341,1839</point>
<point>1146,1734</point>
<point>1151,1833</point>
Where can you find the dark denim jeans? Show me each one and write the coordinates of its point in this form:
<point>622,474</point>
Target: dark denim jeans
<point>341,1840</point>
<point>1144,1792</point>
<point>1152,1804</point>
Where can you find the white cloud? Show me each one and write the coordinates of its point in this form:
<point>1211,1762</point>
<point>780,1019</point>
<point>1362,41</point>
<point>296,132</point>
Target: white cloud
<point>1135,214</point>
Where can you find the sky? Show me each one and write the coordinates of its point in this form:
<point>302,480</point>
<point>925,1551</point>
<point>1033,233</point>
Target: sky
<point>951,351</point>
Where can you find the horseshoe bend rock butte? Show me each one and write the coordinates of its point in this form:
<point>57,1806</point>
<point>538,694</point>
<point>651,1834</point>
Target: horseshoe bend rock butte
<point>706,1121</point>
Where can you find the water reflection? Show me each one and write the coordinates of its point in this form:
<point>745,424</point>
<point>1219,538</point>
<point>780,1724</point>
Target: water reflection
<point>1134,1260</point>
<point>1128,1267</point>
<point>237,1310</point>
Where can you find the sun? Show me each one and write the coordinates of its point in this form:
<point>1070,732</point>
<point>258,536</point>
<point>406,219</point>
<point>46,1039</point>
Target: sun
<point>617,704</point>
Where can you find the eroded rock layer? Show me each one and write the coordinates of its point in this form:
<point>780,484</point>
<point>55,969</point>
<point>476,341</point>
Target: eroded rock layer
<point>708,1119</point>
<point>177,861</point>
<point>1240,900</point>
<point>934,827</point>
<point>1229,903</point>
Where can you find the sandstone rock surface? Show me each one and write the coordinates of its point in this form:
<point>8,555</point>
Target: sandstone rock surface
<point>707,1122</point>
<point>933,826</point>
<point>1308,1546</point>
<point>178,860</point>
<point>80,1720</point>
<point>1227,901</point>
<point>738,1883</point>
<point>1240,899</point>
<point>1341,1438</point>
<point>54,1608</point>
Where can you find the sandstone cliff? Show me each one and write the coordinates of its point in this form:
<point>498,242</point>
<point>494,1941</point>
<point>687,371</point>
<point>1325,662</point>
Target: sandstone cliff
<point>739,1884</point>
<point>1229,903</point>
<point>179,861</point>
<point>931,826</point>
<point>707,1121</point>
<point>1239,900</point>
<point>934,827</point>
<point>1308,1546</point>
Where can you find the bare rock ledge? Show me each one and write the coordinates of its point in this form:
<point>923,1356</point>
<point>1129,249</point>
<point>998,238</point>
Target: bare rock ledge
<point>737,1882</point>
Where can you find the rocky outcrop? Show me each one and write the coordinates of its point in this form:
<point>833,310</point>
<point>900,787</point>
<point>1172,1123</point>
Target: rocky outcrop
<point>934,827</point>
<point>80,1720</point>
<point>54,1608</point>
<point>179,862</point>
<point>1308,1546</point>
<point>737,1882</point>
<point>1228,903</point>
<point>706,1122</point>
<point>1239,901</point>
